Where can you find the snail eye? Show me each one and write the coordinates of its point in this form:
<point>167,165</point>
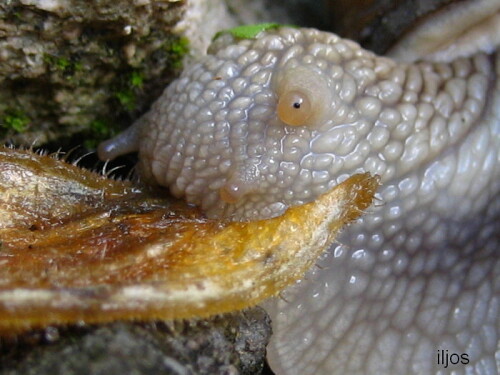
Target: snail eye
<point>294,108</point>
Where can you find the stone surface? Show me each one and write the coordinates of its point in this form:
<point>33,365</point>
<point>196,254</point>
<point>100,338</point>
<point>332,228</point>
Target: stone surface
<point>70,66</point>
<point>377,24</point>
<point>75,72</point>
<point>229,344</point>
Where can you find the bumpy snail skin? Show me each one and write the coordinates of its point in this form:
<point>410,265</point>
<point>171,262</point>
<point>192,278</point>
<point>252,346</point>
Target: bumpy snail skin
<point>417,274</point>
<point>461,29</point>
<point>226,137</point>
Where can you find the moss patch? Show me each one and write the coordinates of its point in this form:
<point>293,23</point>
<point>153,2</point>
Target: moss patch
<point>176,50</point>
<point>15,120</point>
<point>126,98</point>
<point>136,79</point>
<point>98,130</point>
<point>64,65</point>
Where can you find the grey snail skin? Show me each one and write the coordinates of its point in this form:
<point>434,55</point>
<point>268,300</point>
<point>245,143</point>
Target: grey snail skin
<point>263,124</point>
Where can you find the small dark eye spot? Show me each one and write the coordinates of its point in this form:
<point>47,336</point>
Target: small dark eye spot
<point>294,108</point>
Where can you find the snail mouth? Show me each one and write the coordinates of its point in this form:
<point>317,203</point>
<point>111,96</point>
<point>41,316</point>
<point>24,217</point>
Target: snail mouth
<point>229,194</point>
<point>242,180</point>
<point>234,190</point>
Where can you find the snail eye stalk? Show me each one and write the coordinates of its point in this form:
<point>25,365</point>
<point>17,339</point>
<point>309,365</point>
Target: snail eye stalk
<point>304,96</point>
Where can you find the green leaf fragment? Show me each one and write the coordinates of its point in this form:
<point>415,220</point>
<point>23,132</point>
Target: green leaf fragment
<point>248,31</point>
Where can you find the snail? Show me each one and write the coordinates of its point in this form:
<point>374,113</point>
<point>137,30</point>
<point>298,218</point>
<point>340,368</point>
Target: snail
<point>274,121</point>
<point>248,131</point>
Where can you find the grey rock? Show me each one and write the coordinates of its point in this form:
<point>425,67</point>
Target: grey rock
<point>377,24</point>
<point>68,66</point>
<point>227,344</point>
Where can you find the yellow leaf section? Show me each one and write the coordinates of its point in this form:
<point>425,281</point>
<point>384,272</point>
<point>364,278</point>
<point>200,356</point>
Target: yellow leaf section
<point>117,252</point>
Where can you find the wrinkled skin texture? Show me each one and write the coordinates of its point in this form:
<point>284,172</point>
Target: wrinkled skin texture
<point>216,138</point>
<point>418,273</point>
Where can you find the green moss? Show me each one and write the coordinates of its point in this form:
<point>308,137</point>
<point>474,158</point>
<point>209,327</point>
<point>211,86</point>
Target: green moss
<point>16,120</point>
<point>67,66</point>
<point>127,89</point>
<point>90,144</point>
<point>136,79</point>
<point>180,47</point>
<point>126,97</point>
<point>176,50</point>
<point>98,130</point>
<point>62,63</point>
<point>129,85</point>
<point>77,66</point>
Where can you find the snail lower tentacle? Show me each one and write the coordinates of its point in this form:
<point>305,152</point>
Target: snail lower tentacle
<point>123,143</point>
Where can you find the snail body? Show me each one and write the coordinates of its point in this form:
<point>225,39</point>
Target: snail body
<point>262,124</point>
